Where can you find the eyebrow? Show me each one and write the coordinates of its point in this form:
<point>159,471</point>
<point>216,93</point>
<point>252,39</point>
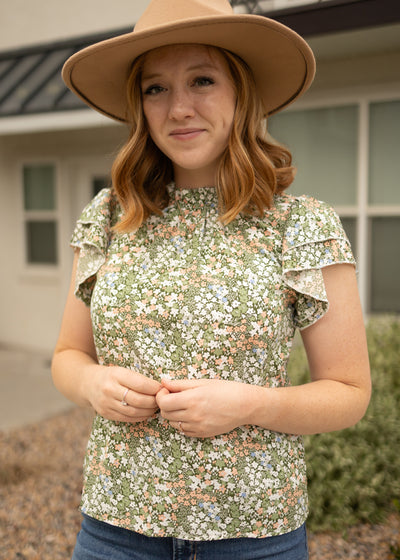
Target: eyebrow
<point>155,75</point>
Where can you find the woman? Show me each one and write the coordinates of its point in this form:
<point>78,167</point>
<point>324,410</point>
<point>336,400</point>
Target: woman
<point>192,273</point>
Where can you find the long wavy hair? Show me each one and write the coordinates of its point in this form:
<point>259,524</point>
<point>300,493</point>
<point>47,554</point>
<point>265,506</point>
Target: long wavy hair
<point>251,170</point>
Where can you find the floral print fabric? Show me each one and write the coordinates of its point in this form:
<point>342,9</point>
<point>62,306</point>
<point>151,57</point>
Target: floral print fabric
<point>185,297</point>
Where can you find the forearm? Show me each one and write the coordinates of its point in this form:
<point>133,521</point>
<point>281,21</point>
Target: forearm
<point>71,370</point>
<point>317,407</point>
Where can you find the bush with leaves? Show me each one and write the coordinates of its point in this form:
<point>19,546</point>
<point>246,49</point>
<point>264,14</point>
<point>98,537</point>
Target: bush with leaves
<point>354,474</point>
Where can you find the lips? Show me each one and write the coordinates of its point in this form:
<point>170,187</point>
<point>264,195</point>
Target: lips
<point>186,133</point>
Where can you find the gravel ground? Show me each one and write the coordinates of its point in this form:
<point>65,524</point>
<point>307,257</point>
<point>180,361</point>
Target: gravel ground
<point>40,482</point>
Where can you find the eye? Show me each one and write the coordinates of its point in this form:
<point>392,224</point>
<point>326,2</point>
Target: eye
<point>154,89</point>
<point>203,81</point>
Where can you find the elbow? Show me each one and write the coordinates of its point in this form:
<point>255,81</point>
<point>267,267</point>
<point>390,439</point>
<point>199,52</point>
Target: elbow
<point>58,350</point>
<point>55,366</point>
<point>366,392</point>
<point>361,404</point>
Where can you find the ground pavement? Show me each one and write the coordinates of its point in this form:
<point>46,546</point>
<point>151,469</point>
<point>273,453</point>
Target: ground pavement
<point>27,393</point>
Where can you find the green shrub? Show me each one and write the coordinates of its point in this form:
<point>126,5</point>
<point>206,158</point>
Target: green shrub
<point>354,474</point>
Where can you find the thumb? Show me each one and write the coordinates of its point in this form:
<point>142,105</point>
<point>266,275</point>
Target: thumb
<point>160,395</point>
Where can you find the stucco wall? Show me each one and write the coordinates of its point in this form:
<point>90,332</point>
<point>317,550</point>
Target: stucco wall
<point>32,304</point>
<point>28,22</point>
<point>32,301</point>
<point>357,72</point>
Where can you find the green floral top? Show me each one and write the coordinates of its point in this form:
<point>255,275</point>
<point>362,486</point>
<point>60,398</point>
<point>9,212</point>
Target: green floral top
<point>186,297</point>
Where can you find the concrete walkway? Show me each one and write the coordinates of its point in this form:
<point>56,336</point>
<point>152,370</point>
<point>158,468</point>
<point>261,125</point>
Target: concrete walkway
<point>27,393</point>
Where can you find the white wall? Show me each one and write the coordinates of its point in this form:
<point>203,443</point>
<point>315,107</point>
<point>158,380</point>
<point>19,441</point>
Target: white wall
<point>32,304</point>
<point>28,22</point>
<point>32,301</point>
<point>364,72</point>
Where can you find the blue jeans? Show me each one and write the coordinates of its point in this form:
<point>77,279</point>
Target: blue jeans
<point>101,541</point>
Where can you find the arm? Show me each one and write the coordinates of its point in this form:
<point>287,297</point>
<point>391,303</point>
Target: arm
<point>336,398</point>
<point>337,353</point>
<point>77,374</point>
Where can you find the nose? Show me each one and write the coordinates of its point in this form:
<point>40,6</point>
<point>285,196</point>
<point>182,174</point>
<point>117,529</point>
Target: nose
<point>181,104</point>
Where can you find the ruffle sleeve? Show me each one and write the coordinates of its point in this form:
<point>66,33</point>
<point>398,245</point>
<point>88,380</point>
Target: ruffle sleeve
<point>314,238</point>
<point>92,236</point>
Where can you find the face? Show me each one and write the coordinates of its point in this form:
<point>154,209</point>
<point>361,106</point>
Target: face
<point>189,104</point>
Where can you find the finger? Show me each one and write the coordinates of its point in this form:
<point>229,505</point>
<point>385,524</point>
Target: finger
<point>177,385</point>
<point>161,393</point>
<point>137,415</point>
<point>119,417</point>
<point>179,425</point>
<point>186,429</point>
<point>174,402</point>
<point>139,400</point>
<point>120,413</point>
<point>135,412</point>
<point>139,383</point>
<point>175,416</point>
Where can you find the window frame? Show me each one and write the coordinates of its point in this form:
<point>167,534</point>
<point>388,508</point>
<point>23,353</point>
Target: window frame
<point>362,211</point>
<point>40,269</point>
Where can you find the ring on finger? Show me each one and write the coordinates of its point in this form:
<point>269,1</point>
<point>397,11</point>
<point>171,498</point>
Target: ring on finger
<point>123,402</point>
<point>180,427</point>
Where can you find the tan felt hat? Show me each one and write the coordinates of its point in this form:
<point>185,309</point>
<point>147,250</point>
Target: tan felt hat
<point>282,62</point>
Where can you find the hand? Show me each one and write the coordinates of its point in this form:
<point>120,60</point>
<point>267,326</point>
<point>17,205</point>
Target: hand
<point>108,385</point>
<point>204,407</point>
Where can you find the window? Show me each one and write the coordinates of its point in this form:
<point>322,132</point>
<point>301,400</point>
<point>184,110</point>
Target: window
<point>384,160</point>
<point>385,264</point>
<point>324,147</point>
<point>350,227</point>
<point>324,144</point>
<point>348,156</point>
<point>384,205</point>
<point>99,182</point>
<point>40,217</point>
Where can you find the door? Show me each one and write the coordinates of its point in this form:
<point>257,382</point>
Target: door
<point>87,177</point>
<point>83,178</point>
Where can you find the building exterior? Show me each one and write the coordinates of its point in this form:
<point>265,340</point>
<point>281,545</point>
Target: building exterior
<point>55,153</point>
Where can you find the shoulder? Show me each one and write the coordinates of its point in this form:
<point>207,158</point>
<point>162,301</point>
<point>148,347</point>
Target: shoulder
<point>94,226</point>
<point>104,207</point>
<point>92,236</point>
<point>307,219</point>
<point>302,205</point>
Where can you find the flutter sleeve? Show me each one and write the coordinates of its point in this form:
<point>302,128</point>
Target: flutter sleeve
<point>314,238</point>
<point>92,236</point>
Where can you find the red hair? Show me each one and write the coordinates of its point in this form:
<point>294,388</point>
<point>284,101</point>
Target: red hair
<point>250,172</point>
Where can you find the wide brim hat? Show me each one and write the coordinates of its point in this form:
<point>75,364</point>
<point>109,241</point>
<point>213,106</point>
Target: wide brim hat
<point>282,62</point>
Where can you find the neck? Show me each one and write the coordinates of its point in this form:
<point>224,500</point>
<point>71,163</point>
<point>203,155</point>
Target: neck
<point>192,187</point>
<point>194,179</point>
